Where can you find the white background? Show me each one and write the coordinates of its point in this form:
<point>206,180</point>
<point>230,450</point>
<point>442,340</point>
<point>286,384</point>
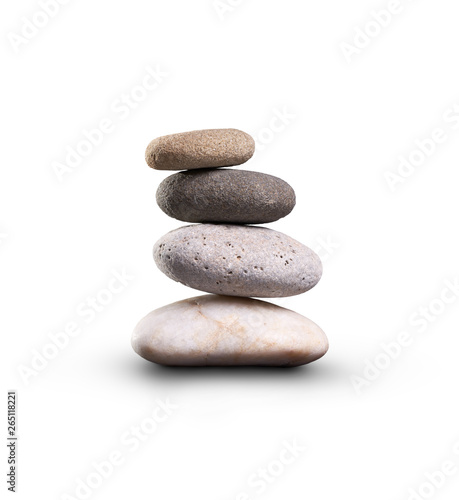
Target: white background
<point>391,251</point>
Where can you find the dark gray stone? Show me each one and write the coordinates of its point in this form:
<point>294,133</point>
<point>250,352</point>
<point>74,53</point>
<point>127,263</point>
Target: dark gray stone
<point>225,195</point>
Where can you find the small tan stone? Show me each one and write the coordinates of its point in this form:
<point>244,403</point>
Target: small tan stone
<point>215,330</point>
<point>200,149</point>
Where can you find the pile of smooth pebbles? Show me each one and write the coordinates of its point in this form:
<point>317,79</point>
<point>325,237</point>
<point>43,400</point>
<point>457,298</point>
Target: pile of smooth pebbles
<point>227,258</point>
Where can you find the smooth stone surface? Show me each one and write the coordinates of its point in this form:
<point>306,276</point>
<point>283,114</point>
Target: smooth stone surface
<point>213,330</point>
<point>225,195</point>
<point>200,149</point>
<point>244,261</point>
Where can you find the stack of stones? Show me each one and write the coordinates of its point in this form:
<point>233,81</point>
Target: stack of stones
<point>228,258</point>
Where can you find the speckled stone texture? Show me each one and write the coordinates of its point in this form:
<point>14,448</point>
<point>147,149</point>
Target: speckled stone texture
<point>225,195</point>
<point>200,149</point>
<point>213,330</point>
<point>243,261</point>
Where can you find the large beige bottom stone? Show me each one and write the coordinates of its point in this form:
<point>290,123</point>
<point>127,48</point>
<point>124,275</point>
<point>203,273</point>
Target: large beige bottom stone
<point>216,330</point>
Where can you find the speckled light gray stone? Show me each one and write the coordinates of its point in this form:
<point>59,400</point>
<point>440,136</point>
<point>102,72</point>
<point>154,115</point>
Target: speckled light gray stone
<point>225,195</point>
<point>244,261</point>
<point>213,330</point>
<point>200,149</point>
